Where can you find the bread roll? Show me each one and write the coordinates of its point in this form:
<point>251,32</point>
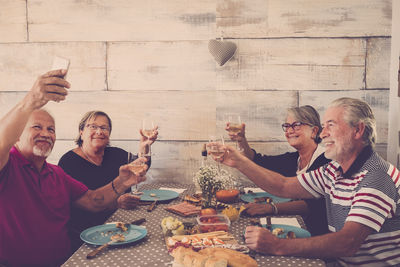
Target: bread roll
<point>188,259</point>
<point>212,257</point>
<point>234,258</point>
<point>199,260</point>
<point>180,252</point>
<point>215,262</point>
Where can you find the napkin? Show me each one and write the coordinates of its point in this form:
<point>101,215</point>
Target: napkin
<point>285,221</point>
<point>178,190</point>
<point>254,189</point>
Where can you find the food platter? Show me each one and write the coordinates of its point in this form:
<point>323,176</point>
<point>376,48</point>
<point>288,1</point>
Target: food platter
<point>101,234</point>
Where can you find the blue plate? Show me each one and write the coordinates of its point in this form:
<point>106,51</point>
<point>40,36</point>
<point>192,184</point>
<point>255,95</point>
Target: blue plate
<point>299,232</point>
<point>251,196</point>
<point>160,195</point>
<point>100,234</point>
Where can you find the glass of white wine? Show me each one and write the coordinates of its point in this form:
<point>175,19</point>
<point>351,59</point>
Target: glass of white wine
<point>135,167</point>
<point>215,148</point>
<point>148,131</point>
<point>234,126</point>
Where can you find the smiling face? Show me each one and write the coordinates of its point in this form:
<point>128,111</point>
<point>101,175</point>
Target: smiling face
<point>96,133</point>
<point>301,137</point>
<point>39,135</point>
<point>337,135</point>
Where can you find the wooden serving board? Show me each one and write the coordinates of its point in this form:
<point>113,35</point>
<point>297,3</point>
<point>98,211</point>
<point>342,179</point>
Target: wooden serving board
<point>222,235</point>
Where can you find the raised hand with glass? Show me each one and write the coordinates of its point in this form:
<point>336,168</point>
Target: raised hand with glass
<point>149,133</point>
<point>235,128</point>
<point>215,148</point>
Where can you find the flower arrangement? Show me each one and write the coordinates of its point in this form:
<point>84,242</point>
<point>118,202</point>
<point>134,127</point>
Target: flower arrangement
<point>210,179</point>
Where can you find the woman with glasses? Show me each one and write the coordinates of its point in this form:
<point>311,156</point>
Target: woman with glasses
<point>302,128</point>
<point>95,163</point>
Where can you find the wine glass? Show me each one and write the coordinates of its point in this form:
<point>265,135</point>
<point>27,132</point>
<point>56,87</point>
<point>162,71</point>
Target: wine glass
<point>215,148</point>
<point>147,130</point>
<point>234,126</point>
<point>135,167</point>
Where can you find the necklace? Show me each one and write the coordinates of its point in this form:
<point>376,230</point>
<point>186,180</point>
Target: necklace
<point>308,164</point>
<point>88,158</point>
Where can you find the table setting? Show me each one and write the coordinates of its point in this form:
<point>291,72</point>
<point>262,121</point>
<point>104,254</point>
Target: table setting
<point>146,244</point>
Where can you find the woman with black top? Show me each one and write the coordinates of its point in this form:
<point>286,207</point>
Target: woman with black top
<point>302,128</point>
<point>95,163</point>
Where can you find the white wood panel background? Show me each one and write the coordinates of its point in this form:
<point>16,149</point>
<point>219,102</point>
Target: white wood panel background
<point>13,21</point>
<point>304,18</point>
<point>136,59</point>
<point>293,63</point>
<point>22,63</point>
<point>121,20</point>
<point>177,65</point>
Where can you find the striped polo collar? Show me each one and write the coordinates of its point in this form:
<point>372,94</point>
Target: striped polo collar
<point>358,162</point>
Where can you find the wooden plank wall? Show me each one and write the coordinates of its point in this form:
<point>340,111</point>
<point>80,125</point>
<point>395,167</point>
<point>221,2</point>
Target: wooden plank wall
<point>136,59</point>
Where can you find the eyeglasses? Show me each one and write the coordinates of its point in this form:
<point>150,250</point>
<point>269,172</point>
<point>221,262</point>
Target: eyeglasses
<point>94,127</point>
<point>295,125</point>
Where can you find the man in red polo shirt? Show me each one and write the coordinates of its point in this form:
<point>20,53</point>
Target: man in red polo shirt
<point>35,196</point>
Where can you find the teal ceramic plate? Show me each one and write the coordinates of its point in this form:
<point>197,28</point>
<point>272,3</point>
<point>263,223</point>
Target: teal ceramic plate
<point>251,196</point>
<point>100,234</point>
<point>299,232</point>
<point>160,195</point>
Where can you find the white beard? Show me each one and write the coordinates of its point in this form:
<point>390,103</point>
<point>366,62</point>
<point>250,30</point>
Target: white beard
<point>37,151</point>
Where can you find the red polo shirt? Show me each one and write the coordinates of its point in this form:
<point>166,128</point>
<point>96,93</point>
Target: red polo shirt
<point>34,211</point>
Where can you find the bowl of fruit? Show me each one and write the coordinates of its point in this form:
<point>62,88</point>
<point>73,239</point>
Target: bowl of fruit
<point>211,223</point>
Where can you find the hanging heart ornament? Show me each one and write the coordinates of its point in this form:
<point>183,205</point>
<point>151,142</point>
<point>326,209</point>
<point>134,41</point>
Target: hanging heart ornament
<point>222,51</point>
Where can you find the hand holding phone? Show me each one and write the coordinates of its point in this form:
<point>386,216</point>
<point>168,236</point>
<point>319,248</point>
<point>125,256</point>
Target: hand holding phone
<point>60,63</point>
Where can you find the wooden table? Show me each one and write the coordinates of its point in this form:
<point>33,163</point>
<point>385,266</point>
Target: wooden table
<point>152,251</point>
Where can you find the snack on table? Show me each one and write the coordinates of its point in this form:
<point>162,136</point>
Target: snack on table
<point>278,231</point>
<point>215,257</point>
<point>262,199</point>
<point>231,212</point>
<point>211,223</point>
<point>213,238</point>
<point>227,196</point>
<point>172,226</point>
<point>234,258</point>
<point>184,209</point>
<point>121,226</point>
<point>192,199</point>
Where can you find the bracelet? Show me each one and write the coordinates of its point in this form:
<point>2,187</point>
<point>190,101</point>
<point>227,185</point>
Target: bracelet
<point>274,208</point>
<point>113,187</point>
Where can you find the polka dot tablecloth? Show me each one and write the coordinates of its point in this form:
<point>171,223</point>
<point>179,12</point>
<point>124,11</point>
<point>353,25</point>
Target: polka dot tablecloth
<point>152,252</point>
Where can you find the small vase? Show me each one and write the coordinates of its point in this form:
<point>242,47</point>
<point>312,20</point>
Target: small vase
<point>209,201</point>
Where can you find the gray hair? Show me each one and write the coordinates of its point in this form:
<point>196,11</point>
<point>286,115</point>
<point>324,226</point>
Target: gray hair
<point>89,115</point>
<point>309,115</point>
<point>357,111</point>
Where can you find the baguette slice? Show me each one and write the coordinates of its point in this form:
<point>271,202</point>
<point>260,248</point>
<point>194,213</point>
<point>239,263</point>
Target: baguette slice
<point>188,259</point>
<point>215,262</point>
<point>200,260</point>
<point>180,252</point>
<point>234,258</point>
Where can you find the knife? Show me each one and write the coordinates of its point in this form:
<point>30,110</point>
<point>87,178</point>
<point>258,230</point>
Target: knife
<point>152,206</point>
<point>139,221</point>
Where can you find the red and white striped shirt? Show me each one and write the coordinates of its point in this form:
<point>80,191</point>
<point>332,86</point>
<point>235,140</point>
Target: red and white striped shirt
<point>369,194</point>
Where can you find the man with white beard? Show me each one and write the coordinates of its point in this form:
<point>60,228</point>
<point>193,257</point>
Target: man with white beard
<point>35,196</point>
<point>361,191</point>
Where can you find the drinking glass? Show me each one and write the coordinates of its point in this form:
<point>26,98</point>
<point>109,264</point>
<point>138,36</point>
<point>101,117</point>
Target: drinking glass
<point>135,167</point>
<point>235,126</point>
<point>215,150</point>
<point>147,130</point>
